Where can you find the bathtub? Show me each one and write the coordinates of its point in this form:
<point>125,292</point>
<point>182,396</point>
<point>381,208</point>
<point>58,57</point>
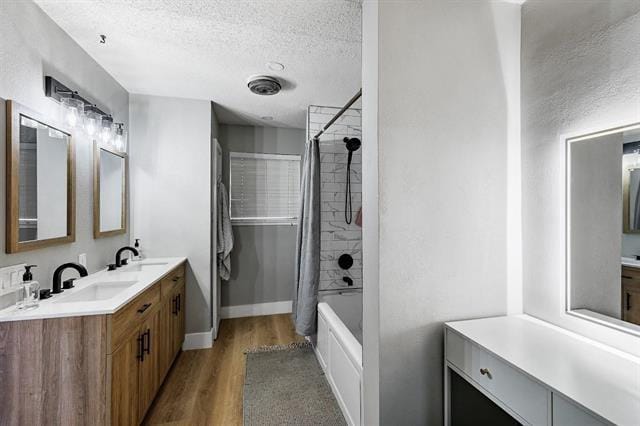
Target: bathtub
<point>338,347</point>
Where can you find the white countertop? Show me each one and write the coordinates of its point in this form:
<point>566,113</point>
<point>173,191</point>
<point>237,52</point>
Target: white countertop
<point>630,261</point>
<point>55,307</point>
<point>602,379</point>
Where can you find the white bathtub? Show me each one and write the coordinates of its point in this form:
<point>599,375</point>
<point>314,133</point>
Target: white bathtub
<point>339,351</point>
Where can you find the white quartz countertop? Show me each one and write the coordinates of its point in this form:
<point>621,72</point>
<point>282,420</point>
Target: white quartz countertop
<point>600,378</point>
<point>135,278</point>
<point>630,261</point>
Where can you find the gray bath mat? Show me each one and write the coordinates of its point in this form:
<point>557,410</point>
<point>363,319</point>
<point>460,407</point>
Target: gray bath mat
<point>285,385</point>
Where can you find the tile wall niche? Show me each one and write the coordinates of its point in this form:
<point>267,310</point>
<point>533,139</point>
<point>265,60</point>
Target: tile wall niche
<point>337,236</point>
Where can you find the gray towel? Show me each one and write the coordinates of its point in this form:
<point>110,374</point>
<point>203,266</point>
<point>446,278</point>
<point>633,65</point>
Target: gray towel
<point>225,234</point>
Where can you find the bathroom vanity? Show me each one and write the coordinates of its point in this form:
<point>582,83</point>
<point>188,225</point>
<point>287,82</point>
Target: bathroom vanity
<point>98,351</point>
<point>539,374</point>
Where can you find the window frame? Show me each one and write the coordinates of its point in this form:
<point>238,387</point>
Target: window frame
<point>260,221</point>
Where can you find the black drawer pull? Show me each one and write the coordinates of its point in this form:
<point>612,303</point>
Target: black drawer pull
<point>628,301</point>
<point>627,277</point>
<point>174,308</point>
<point>175,279</point>
<point>144,308</point>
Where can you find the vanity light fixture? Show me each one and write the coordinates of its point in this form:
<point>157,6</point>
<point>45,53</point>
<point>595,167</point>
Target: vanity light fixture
<point>80,112</point>
<point>120,138</point>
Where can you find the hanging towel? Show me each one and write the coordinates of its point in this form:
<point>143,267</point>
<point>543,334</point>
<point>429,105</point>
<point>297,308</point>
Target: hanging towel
<point>224,233</point>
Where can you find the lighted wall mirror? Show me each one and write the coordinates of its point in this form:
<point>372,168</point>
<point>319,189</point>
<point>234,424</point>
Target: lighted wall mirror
<point>603,224</point>
<point>109,192</point>
<point>40,182</point>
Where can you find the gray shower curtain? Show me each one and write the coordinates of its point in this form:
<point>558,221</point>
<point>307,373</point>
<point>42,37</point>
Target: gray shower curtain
<point>307,267</point>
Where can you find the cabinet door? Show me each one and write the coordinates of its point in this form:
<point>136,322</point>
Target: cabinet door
<point>124,381</point>
<point>166,334</point>
<point>149,371</point>
<point>631,304</point>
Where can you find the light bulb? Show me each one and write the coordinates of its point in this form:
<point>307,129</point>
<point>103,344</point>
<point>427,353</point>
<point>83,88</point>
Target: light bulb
<point>92,122</point>
<point>73,111</point>
<point>106,131</point>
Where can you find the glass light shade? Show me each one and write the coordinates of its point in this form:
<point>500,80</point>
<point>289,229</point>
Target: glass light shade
<point>120,139</point>
<point>107,131</point>
<point>73,111</point>
<point>92,123</point>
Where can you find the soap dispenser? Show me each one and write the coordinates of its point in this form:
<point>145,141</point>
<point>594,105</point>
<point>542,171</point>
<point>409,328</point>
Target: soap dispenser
<point>30,290</point>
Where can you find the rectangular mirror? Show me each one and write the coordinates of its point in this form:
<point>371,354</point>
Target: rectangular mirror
<point>40,182</point>
<point>109,192</point>
<point>603,227</point>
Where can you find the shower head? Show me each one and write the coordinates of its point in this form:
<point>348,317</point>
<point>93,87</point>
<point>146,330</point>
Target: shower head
<point>353,144</point>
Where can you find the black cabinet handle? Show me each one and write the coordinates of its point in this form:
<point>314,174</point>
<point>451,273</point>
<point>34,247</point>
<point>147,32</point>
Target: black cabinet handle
<point>140,354</point>
<point>628,301</point>
<point>144,308</point>
<point>627,277</point>
<point>174,308</point>
<point>148,345</point>
<point>175,279</point>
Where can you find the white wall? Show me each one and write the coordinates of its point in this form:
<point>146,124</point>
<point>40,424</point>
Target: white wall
<point>171,190</point>
<point>32,47</point>
<point>447,119</point>
<point>580,67</point>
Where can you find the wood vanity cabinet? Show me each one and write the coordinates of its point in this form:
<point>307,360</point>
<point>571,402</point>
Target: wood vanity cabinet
<point>630,302</point>
<point>98,369</point>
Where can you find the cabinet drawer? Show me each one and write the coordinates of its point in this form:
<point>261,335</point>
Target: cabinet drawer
<point>132,314</point>
<point>172,281</point>
<point>515,390</point>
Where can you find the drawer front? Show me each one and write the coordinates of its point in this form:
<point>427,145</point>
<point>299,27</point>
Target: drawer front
<point>172,281</point>
<point>567,414</point>
<point>524,396</point>
<point>133,313</point>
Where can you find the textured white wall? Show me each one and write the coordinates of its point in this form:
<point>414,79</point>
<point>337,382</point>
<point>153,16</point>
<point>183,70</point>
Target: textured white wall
<point>580,67</point>
<point>34,46</point>
<point>446,112</point>
<point>171,190</point>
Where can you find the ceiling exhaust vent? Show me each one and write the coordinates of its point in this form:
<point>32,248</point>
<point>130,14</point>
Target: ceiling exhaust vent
<point>264,85</point>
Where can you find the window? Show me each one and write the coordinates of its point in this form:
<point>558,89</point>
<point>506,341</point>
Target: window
<point>264,188</point>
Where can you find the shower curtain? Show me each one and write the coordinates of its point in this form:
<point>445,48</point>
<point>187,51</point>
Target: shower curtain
<point>307,267</point>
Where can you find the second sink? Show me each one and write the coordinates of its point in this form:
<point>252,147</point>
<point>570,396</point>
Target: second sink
<point>97,291</point>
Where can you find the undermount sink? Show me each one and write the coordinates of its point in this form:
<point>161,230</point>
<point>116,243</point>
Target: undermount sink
<point>97,291</point>
<point>138,267</point>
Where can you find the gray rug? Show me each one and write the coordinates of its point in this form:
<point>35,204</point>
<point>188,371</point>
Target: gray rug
<point>286,386</point>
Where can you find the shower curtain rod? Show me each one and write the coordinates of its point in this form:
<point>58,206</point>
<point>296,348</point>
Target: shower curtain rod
<point>339,114</point>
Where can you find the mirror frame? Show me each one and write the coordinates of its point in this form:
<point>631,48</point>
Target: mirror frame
<point>13,244</point>
<point>97,233</point>
<point>593,317</point>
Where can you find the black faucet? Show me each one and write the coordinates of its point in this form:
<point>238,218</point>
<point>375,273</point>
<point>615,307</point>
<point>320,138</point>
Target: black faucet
<point>120,262</point>
<point>57,275</point>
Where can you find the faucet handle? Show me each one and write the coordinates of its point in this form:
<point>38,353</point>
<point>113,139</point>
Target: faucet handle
<point>111,267</point>
<point>67,284</point>
<point>124,262</point>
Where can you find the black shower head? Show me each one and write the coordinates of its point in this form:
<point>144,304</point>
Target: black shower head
<point>353,144</point>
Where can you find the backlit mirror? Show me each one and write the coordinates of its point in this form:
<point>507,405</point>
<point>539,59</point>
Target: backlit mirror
<point>603,227</point>
<point>110,200</point>
<point>40,187</point>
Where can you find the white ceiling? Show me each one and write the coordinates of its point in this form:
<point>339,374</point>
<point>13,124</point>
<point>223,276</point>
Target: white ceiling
<point>206,49</point>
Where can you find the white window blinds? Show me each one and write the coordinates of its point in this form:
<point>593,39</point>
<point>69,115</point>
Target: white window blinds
<point>264,188</point>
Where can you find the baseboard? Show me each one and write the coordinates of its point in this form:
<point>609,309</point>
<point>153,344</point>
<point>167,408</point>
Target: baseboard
<point>202,340</point>
<point>256,310</point>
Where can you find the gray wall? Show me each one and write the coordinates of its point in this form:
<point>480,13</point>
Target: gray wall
<point>170,178</point>
<point>262,260</point>
<point>580,67</point>
<point>443,137</point>
<point>34,46</point>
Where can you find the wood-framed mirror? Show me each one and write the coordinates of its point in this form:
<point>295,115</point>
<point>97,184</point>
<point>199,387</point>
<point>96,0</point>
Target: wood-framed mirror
<point>41,187</point>
<point>109,191</point>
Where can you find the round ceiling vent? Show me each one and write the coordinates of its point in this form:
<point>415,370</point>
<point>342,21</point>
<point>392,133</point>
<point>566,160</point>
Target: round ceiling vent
<point>264,85</point>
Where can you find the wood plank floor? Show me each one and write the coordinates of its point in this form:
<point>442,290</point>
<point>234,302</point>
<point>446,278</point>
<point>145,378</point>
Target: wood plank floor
<point>204,387</point>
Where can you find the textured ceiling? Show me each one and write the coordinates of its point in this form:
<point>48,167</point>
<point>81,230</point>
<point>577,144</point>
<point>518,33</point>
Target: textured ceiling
<point>206,49</point>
